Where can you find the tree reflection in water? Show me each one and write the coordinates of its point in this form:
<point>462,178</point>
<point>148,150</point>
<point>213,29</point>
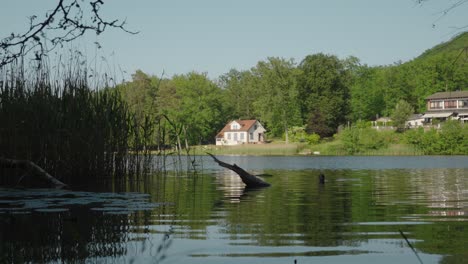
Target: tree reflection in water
<point>67,236</point>
<point>42,226</point>
<point>212,218</point>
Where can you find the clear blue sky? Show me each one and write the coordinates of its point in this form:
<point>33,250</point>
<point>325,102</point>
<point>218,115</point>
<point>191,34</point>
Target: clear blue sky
<point>214,36</point>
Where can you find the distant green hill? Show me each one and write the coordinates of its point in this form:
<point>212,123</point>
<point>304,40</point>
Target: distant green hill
<point>454,47</point>
<point>443,68</point>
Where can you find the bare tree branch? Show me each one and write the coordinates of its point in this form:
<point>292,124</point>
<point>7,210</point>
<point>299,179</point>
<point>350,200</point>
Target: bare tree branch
<point>69,20</point>
<point>446,11</point>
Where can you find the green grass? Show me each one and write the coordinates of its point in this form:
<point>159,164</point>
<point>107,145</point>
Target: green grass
<point>335,148</point>
<point>332,148</point>
<point>270,149</point>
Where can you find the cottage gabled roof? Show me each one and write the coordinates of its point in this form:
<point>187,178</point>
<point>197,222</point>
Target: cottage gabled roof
<point>448,95</point>
<point>245,125</point>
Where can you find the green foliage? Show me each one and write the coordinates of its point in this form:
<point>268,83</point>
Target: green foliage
<point>454,135</point>
<point>277,104</point>
<point>377,90</point>
<point>367,100</point>
<point>449,140</point>
<point>199,107</point>
<point>401,113</point>
<point>358,139</point>
<point>140,94</point>
<point>456,44</point>
<point>191,104</point>
<point>299,135</point>
<point>324,93</point>
<point>239,94</point>
<point>71,131</point>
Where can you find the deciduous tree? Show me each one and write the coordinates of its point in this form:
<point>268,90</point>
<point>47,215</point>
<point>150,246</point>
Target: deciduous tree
<point>277,103</point>
<point>324,93</point>
<point>239,93</point>
<point>401,113</point>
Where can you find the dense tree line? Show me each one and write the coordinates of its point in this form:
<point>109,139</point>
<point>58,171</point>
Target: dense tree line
<point>320,94</point>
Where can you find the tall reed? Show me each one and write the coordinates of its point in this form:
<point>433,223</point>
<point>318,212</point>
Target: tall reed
<point>77,133</point>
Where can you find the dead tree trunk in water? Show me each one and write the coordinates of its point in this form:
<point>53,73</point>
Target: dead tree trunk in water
<point>248,179</point>
<point>31,166</point>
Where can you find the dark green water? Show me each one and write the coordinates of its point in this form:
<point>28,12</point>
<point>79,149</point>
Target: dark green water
<point>355,217</point>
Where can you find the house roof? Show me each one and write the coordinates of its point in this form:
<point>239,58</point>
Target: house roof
<point>245,125</point>
<point>437,115</point>
<point>383,119</point>
<point>415,117</point>
<point>448,95</point>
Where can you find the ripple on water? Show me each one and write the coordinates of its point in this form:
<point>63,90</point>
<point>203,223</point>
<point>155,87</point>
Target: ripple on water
<point>55,201</point>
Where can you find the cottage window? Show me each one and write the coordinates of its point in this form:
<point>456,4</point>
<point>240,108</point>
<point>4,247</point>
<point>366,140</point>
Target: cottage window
<point>242,136</point>
<point>228,136</point>
<point>436,105</point>
<point>463,103</point>
<point>251,136</point>
<point>255,127</point>
<point>451,104</point>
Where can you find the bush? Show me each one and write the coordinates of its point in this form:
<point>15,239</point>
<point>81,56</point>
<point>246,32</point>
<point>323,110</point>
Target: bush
<point>449,140</point>
<point>359,140</point>
<point>298,134</point>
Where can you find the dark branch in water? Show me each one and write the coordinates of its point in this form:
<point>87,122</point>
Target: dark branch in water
<point>411,246</point>
<point>248,179</point>
<point>36,170</point>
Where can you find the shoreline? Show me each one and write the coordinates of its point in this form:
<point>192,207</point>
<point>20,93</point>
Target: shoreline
<point>299,149</point>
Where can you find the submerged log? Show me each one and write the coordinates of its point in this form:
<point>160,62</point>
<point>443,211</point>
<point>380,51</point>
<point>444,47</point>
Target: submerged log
<point>248,179</point>
<point>32,167</point>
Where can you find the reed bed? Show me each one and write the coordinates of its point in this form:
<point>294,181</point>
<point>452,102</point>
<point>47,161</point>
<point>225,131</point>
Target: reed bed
<point>77,133</point>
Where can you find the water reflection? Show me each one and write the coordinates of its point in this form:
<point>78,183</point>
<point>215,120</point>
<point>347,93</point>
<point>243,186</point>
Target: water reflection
<point>229,183</point>
<point>65,236</point>
<point>50,225</point>
<point>355,217</point>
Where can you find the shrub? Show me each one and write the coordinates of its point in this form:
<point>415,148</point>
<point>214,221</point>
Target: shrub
<point>359,140</point>
<point>449,140</point>
<point>298,134</point>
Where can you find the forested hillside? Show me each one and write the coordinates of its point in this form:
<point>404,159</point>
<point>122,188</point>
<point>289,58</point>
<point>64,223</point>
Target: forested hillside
<point>376,90</point>
<point>317,94</point>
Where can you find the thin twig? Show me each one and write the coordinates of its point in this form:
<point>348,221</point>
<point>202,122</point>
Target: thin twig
<point>411,246</point>
<point>65,23</point>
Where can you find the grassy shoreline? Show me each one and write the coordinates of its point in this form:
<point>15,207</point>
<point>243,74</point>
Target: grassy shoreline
<point>333,148</point>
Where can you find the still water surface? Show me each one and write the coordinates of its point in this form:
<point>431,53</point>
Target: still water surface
<point>355,217</point>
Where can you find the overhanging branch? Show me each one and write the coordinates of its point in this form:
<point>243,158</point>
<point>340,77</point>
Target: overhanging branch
<point>65,23</point>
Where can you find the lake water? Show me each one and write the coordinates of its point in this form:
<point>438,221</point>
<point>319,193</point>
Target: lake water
<point>355,217</point>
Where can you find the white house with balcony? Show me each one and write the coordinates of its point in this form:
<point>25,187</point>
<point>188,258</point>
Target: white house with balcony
<point>241,132</point>
<point>447,105</point>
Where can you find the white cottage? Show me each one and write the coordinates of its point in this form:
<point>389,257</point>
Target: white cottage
<point>415,120</point>
<point>241,132</point>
